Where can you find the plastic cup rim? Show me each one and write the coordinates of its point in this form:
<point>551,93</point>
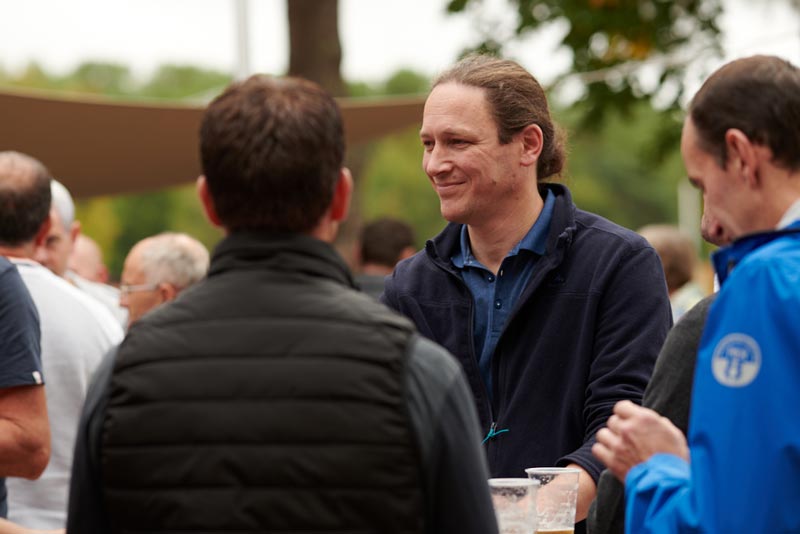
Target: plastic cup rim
<point>551,470</point>
<point>513,482</point>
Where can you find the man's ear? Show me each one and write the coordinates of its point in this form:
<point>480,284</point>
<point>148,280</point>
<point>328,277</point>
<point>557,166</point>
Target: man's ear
<point>102,274</point>
<point>167,292</point>
<point>74,231</point>
<point>207,201</point>
<point>742,155</point>
<point>44,229</point>
<point>342,193</point>
<point>532,144</point>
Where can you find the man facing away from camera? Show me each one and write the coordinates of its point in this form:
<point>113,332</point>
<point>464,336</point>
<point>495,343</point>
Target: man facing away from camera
<point>273,396</point>
<point>554,313</point>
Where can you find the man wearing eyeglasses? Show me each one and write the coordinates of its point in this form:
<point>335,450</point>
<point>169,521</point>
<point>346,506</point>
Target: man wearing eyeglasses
<point>157,269</point>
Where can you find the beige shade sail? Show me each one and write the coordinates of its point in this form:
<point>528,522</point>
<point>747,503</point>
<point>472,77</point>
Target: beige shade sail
<point>103,147</point>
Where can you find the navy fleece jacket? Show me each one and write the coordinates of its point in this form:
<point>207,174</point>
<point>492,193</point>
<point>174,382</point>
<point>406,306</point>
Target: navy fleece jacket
<point>584,335</point>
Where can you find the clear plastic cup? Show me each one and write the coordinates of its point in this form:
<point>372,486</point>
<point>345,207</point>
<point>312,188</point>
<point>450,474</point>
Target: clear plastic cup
<point>514,501</point>
<point>557,498</point>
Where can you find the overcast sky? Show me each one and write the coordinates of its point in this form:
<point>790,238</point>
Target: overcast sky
<point>379,36</point>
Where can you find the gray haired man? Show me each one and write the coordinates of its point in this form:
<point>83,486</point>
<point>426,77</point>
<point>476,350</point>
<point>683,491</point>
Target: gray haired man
<point>157,269</point>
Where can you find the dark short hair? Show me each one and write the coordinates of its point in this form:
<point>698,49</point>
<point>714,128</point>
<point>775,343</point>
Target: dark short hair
<point>516,100</point>
<point>272,150</point>
<point>24,198</point>
<point>383,241</point>
<point>758,95</point>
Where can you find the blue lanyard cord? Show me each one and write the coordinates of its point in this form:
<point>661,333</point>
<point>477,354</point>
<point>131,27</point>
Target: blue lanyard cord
<point>492,433</point>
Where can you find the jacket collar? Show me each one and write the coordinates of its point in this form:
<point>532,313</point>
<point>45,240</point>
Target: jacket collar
<point>290,253</point>
<point>726,258</point>
<point>562,228</point>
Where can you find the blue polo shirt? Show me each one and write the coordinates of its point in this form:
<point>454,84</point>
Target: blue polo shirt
<point>495,296</point>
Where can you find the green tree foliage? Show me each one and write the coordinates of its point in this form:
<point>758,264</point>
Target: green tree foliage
<point>403,82</point>
<point>406,82</point>
<point>610,172</point>
<point>176,82</point>
<point>611,39</point>
<point>33,76</point>
<point>108,79</point>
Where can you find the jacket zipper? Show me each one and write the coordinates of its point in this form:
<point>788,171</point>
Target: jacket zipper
<point>473,359</point>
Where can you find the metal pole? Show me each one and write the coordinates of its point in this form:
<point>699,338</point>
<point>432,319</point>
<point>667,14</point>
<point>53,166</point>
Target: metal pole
<point>242,40</point>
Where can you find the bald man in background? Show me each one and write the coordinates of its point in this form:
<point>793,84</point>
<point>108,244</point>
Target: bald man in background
<point>86,260</point>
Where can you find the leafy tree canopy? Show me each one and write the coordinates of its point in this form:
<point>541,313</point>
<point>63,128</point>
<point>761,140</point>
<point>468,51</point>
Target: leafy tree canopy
<point>612,40</point>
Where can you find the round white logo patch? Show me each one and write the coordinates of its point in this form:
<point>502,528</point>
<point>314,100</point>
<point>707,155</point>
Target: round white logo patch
<point>736,360</point>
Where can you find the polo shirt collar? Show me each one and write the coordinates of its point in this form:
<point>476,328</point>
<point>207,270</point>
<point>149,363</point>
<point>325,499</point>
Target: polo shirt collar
<point>534,241</point>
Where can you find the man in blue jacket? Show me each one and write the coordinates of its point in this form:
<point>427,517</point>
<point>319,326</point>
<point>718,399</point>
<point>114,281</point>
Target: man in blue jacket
<point>740,471</point>
<point>554,313</point>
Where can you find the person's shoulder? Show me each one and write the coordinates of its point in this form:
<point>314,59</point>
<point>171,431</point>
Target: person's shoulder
<point>420,260</point>
<point>9,276</point>
<point>55,292</point>
<point>698,312</point>
<point>411,275</point>
<point>96,289</point>
<point>782,251</point>
<point>367,310</point>
<point>774,265</point>
<point>437,249</point>
<point>599,228</point>
<point>5,266</point>
<point>432,361</point>
<point>41,281</point>
<point>608,243</point>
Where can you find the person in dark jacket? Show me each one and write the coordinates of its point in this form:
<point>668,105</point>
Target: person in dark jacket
<point>383,243</point>
<point>669,392</point>
<point>273,396</point>
<point>554,313</point>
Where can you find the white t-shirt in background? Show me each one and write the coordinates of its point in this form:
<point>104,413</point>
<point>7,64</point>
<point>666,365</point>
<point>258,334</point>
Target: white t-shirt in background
<point>76,332</point>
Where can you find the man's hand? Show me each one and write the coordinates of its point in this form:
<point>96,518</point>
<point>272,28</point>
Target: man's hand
<point>633,435</point>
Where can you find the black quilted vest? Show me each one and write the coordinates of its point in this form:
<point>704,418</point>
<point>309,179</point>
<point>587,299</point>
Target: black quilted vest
<point>269,398</point>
